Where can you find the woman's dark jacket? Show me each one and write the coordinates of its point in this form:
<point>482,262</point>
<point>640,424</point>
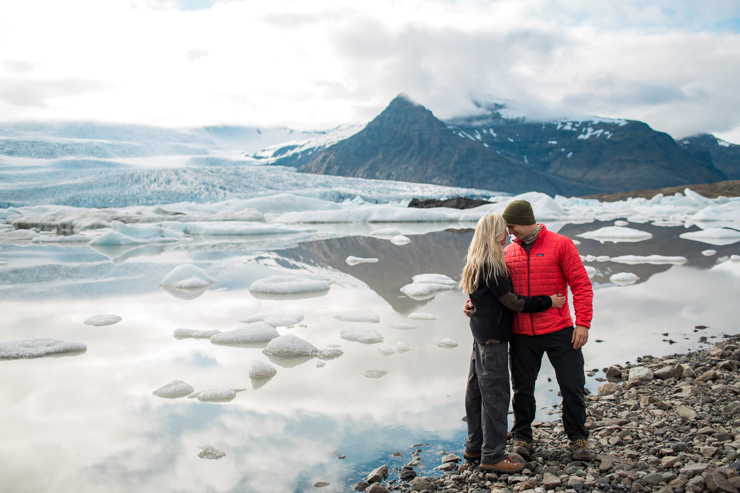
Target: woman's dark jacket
<point>494,304</point>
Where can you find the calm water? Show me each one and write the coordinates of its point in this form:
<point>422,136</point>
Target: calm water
<point>90,422</point>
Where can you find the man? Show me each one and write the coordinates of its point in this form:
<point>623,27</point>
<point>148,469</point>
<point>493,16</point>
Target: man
<point>542,262</point>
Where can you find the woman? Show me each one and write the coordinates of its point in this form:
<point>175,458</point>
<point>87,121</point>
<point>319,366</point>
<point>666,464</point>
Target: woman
<point>486,279</point>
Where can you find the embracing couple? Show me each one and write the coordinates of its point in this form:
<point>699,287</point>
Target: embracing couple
<point>518,311</point>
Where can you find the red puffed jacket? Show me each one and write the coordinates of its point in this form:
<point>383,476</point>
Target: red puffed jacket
<point>552,264</point>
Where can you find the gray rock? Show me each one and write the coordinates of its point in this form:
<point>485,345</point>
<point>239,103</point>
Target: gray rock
<point>320,484</point>
<point>614,372</point>
<point>640,373</point>
<point>550,481</point>
<point>361,486</point>
<point>378,475</point>
<point>407,474</point>
<point>653,479</point>
<point>707,376</point>
<point>684,371</point>
<point>608,388</point>
<point>423,483</point>
<point>685,412</point>
<point>450,458</point>
<point>731,409</point>
<point>665,373</point>
<point>694,468</point>
<point>376,488</point>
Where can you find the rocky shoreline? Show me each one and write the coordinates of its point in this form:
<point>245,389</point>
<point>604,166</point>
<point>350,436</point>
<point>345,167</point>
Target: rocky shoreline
<point>668,424</point>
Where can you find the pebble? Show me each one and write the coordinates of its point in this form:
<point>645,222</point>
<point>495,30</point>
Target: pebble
<point>667,425</point>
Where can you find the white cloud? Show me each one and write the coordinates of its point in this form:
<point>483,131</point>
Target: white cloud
<point>322,63</point>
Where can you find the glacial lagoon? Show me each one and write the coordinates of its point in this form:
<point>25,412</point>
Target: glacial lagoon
<point>88,421</point>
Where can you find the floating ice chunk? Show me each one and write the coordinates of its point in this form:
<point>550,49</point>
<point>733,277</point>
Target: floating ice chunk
<point>187,277</point>
<point>700,199</point>
<point>329,353</point>
<point>386,350</point>
<point>617,234</point>
<point>621,223</point>
<point>400,240</point>
<point>101,320</point>
<point>404,326</point>
<point>194,334</point>
<point>288,286</point>
<point>365,335</point>
<point>403,348</point>
<point>146,232</point>
<point>229,228</point>
<point>40,347</point>
<point>375,373</point>
<point>174,390</point>
<point>650,259</point>
<point>254,333</point>
<point>576,242</point>
<point>623,278</point>
<point>590,271</point>
<point>358,260</point>
<point>602,258</point>
<point>19,235</point>
<point>360,317</point>
<point>320,364</point>
<point>208,451</point>
<point>61,239</point>
<point>388,232</point>
<point>449,343</point>
<point>713,236</point>
<point>421,316</point>
<point>276,319</point>
<point>215,395</point>
<point>735,258</point>
<point>260,369</point>
<point>709,253</point>
<point>425,286</point>
<point>289,346</point>
<point>115,238</point>
<point>638,219</point>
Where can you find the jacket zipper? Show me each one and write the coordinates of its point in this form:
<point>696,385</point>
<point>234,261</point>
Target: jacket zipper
<point>529,288</point>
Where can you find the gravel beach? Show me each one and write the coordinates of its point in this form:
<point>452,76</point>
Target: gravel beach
<point>668,424</point>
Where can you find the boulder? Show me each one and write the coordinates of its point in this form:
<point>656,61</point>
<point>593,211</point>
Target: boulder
<point>665,373</point>
<point>608,388</point>
<point>377,475</point>
<point>685,412</point>
<point>423,483</point>
<point>640,373</point>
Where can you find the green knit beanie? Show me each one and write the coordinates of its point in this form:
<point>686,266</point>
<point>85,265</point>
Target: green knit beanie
<point>519,212</point>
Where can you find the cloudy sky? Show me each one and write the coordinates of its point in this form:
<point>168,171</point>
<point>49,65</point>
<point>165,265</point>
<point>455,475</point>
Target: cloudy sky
<point>318,63</point>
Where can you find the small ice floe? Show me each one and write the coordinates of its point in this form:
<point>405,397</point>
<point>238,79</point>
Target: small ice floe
<point>386,350</point>
<point>256,333</point>
<point>576,242</point>
<point>288,287</point>
<point>358,260</point>
<point>403,347</point>
<point>404,326</point>
<point>187,277</point>
<point>115,238</point>
<point>40,347</point>
<point>290,350</point>
<point>709,253</point>
<point>260,369</point>
<point>421,316</point>
<point>329,353</point>
<point>713,236</point>
<point>650,259</point>
<point>375,373</point>
<point>18,235</point>
<point>365,335</point>
<point>359,317</point>
<point>194,334</point>
<point>61,239</point>
<point>616,234</point>
<point>320,364</point>
<point>208,451</point>
<point>735,258</point>
<point>276,319</point>
<point>174,390</point>
<point>214,395</point>
<point>400,240</point>
<point>623,278</point>
<point>386,232</point>
<point>229,228</point>
<point>102,320</point>
<point>590,271</point>
<point>603,258</point>
<point>449,343</point>
<point>425,286</point>
<point>621,223</point>
<point>145,232</point>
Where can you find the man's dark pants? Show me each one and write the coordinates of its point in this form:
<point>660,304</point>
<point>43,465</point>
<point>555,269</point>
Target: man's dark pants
<point>526,359</point>
<point>487,401</point>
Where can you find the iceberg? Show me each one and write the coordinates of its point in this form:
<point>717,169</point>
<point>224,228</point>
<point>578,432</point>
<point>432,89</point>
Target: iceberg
<point>590,271</point>
<point>375,373</point>
<point>402,347</point>
<point>260,370</point>
<point>386,350</point>
<point>289,346</point>
<point>447,343</point>
<point>147,233</point>
<point>208,451</point>
<point>713,236</point>
<point>288,287</point>
<point>40,347</point>
<point>174,390</point>
<point>358,260</point>
<point>215,395</point>
<point>649,259</point>
<point>616,234</point>
<point>255,333</point>
<point>187,277</point>
<point>276,320</point>
<point>425,286</point>
<point>112,238</point>
<point>400,240</point>
<point>102,320</point>
<point>623,278</point>
<point>709,253</point>
<point>365,335</point>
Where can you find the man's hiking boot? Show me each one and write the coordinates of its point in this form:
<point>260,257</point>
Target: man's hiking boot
<point>472,456</point>
<point>581,450</point>
<point>506,466</point>
<point>523,448</point>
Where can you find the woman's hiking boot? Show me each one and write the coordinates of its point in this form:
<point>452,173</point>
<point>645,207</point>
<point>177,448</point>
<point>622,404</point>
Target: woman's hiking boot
<point>507,466</point>
<point>581,450</point>
<point>523,448</point>
<point>472,456</point>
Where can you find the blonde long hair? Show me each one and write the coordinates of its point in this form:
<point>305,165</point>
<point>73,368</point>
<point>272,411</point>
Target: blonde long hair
<point>485,251</point>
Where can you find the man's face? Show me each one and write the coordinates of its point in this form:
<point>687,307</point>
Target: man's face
<point>520,231</point>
